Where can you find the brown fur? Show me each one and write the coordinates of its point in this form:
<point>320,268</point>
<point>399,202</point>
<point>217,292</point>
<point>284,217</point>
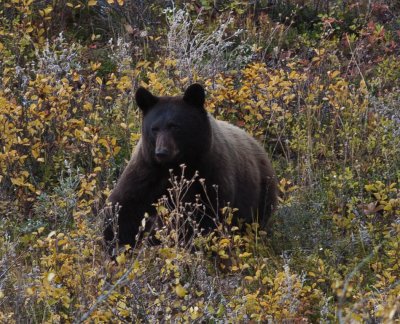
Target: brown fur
<point>245,170</point>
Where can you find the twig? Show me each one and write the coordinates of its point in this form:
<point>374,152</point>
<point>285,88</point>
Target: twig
<point>347,281</point>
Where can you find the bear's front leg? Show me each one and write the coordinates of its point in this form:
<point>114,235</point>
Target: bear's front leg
<point>122,225</point>
<point>137,190</point>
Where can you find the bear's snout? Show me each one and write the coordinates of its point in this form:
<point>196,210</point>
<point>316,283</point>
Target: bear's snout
<point>162,154</point>
<point>166,149</point>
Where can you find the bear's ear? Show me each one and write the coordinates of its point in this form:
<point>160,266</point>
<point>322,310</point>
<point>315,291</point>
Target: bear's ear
<point>145,99</point>
<point>194,95</point>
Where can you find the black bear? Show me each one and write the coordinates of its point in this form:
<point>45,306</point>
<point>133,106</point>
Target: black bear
<point>176,131</point>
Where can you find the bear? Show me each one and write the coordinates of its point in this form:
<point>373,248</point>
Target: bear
<point>179,130</point>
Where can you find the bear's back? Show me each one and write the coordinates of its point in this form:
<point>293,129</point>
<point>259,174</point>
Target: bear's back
<point>245,172</point>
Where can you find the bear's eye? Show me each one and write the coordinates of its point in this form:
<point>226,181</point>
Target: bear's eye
<point>154,129</point>
<point>173,126</point>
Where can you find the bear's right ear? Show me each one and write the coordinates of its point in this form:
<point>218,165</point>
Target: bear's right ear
<point>195,95</point>
<point>144,99</point>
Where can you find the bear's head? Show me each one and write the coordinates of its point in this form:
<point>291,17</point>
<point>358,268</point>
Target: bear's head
<point>175,130</point>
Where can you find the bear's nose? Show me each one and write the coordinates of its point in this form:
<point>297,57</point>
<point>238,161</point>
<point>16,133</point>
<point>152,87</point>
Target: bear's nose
<point>162,154</point>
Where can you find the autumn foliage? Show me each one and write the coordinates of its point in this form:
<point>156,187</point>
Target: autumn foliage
<point>318,85</point>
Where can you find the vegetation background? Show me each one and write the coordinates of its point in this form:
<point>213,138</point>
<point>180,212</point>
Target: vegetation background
<point>316,81</point>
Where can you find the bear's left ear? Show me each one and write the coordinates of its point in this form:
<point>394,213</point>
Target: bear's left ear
<point>145,99</point>
<point>195,95</point>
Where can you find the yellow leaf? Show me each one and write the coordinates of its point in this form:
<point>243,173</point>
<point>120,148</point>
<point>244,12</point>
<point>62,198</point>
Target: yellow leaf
<point>180,291</point>
<point>244,255</point>
<point>50,276</point>
<point>52,233</point>
<point>30,291</point>
<point>266,280</point>
<point>121,258</point>
<point>45,11</point>
<point>17,181</point>
<point>224,242</point>
<point>95,66</point>
<point>92,3</point>
<point>388,207</point>
<point>167,253</point>
<point>35,153</point>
